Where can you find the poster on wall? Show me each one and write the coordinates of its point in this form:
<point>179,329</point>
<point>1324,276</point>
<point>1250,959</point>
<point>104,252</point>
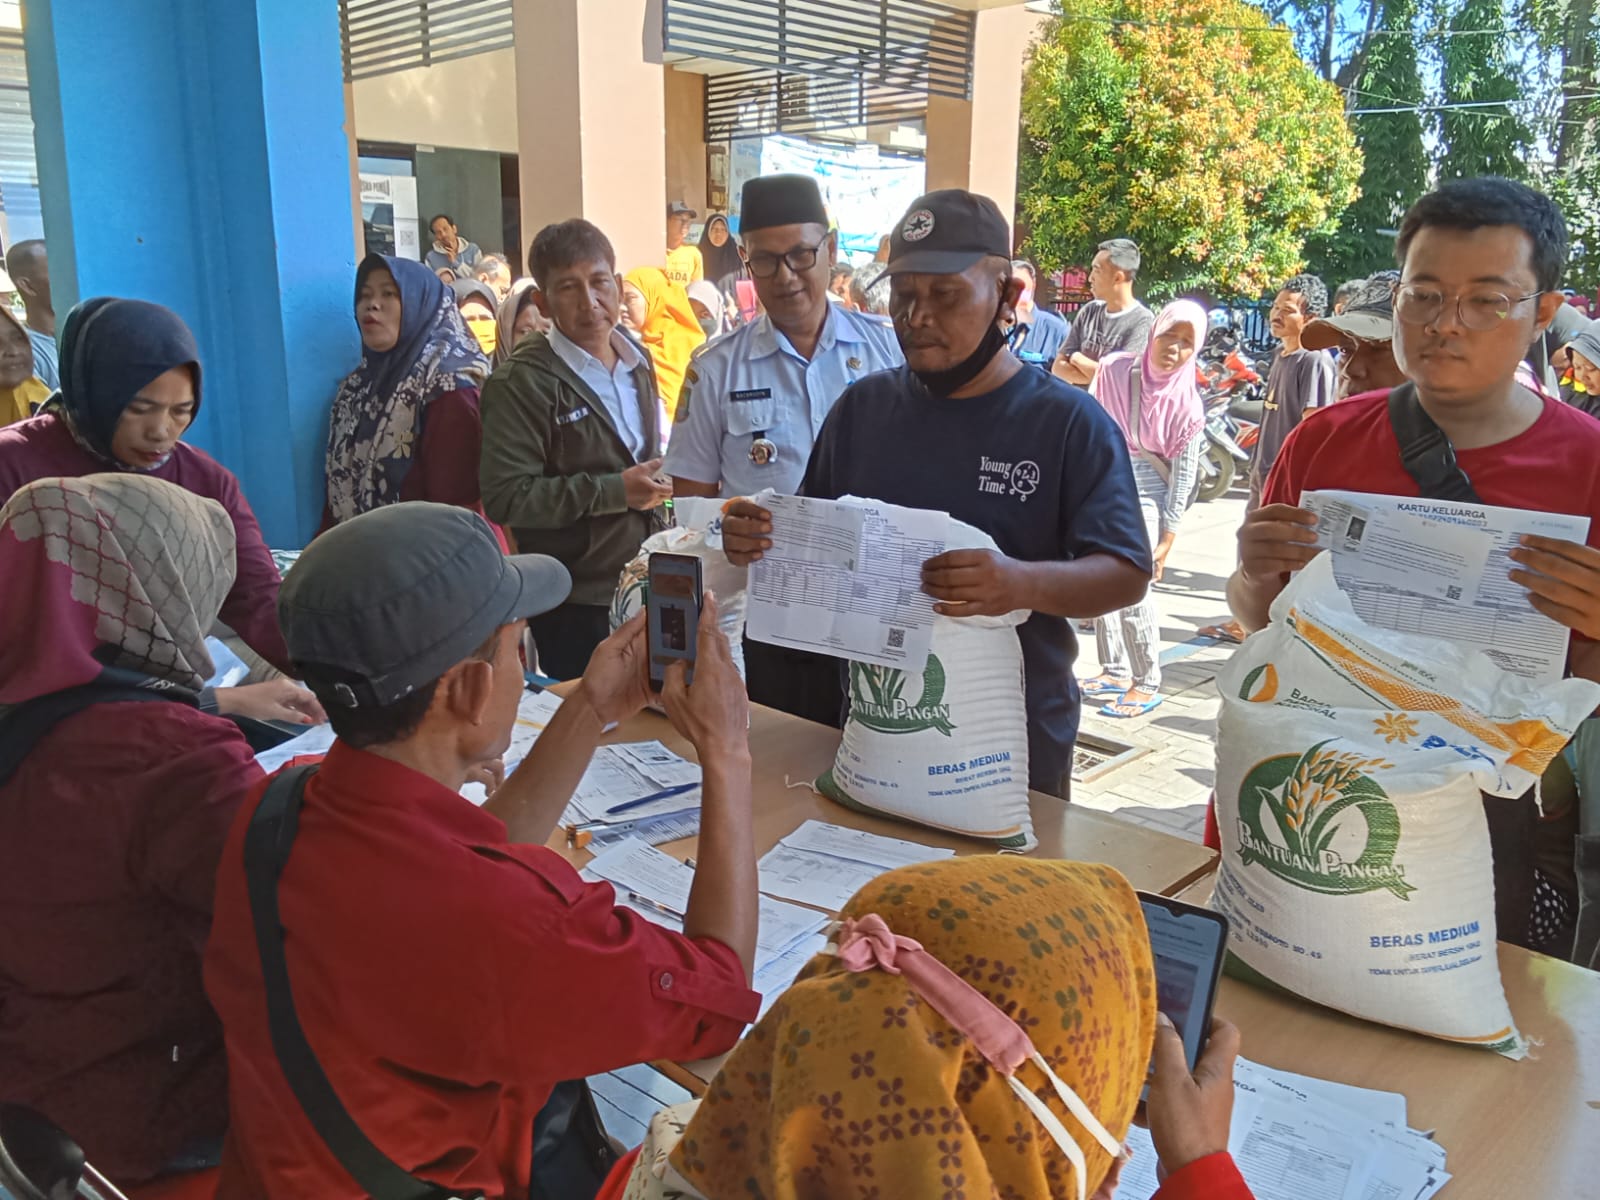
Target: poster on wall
<point>865,192</point>
<point>389,215</point>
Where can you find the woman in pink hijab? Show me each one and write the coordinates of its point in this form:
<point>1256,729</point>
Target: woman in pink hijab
<point>1155,401</point>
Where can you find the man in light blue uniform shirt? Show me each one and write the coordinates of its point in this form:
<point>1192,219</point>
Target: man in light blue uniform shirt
<point>753,401</point>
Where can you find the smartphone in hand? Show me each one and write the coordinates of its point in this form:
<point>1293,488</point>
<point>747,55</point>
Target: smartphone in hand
<point>1188,944</point>
<point>673,607</point>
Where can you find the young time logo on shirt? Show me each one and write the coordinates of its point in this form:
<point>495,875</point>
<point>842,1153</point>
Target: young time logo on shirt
<point>997,478</point>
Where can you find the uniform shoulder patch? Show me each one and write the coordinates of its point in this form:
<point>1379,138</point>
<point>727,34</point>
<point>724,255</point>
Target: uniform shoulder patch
<point>681,414</point>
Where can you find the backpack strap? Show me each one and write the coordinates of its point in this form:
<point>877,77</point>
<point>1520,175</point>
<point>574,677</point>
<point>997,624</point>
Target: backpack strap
<point>1425,451</point>
<point>267,845</point>
<point>24,726</point>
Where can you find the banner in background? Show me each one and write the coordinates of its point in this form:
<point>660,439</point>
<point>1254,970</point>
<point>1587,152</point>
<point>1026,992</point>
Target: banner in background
<point>866,193</point>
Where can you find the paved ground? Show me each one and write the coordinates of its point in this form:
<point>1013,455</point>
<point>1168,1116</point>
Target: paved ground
<point>1167,786</point>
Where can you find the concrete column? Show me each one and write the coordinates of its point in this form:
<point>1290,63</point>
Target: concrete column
<point>686,138</point>
<point>972,144</point>
<point>591,120</point>
<point>193,152</point>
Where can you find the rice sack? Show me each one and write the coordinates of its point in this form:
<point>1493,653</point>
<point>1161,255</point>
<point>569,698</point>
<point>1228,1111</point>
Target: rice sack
<point>698,532</point>
<point>1356,869</point>
<point>946,746</point>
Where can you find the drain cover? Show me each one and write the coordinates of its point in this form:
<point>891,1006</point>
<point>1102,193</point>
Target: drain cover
<point>1094,756</point>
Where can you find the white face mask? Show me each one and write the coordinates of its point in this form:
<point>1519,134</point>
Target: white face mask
<point>868,943</point>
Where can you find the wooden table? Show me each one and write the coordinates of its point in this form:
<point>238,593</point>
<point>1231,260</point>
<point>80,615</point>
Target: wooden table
<point>787,750</point>
<point>1511,1129</point>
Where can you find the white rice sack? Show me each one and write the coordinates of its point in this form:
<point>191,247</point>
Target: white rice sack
<point>1356,869</point>
<point>946,746</point>
<point>698,532</point>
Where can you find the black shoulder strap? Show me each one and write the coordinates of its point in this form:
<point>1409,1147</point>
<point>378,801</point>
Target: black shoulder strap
<point>22,727</point>
<point>267,844</point>
<point>1425,451</point>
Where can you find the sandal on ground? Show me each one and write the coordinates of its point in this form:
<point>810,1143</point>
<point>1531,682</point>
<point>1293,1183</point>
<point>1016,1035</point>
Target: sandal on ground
<point>1104,685</point>
<point>1228,631</point>
<point>1127,710</point>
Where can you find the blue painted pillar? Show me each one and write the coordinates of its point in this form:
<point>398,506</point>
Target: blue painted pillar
<point>193,152</point>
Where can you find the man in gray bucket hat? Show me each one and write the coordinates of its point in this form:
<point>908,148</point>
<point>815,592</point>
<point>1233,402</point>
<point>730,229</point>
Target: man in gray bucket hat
<point>1363,334</point>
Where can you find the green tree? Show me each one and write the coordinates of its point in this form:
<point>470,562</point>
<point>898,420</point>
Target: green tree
<point>1395,161</point>
<point>1217,149</point>
<point>1477,67</point>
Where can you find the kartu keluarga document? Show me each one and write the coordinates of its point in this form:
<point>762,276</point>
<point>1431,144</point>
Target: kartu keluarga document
<point>1442,569</point>
<point>844,577</point>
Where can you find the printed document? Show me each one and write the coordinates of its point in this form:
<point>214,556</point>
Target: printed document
<point>844,577</point>
<point>621,773</point>
<point>1441,568</point>
<point>824,865</point>
<point>1298,1138</point>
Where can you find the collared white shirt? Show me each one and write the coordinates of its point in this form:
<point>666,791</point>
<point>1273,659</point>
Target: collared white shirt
<point>617,391</point>
<point>752,385</point>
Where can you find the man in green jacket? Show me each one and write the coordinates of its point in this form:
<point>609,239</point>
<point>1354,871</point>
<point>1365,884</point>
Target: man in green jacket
<point>571,440</point>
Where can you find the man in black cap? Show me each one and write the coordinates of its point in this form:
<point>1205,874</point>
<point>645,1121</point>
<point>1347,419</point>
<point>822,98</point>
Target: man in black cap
<point>447,968</point>
<point>965,428</point>
<point>753,401</point>
<point>684,264</point>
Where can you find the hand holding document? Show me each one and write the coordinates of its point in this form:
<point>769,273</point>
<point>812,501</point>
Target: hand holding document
<point>1442,568</point>
<point>1298,1138</point>
<point>844,577</point>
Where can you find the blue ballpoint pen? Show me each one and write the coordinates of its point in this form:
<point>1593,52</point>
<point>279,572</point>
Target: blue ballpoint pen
<point>663,794</point>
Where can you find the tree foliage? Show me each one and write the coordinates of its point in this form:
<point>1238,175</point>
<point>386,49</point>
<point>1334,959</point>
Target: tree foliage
<point>1476,67</point>
<point>1394,159</point>
<point>1218,150</point>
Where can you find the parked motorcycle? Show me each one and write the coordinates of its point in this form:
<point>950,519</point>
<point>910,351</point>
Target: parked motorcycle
<point>1230,441</point>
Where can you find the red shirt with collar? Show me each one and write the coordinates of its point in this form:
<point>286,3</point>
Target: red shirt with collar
<point>1552,466</point>
<point>446,980</point>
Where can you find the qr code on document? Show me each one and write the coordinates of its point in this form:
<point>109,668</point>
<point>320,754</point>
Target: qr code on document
<point>897,639</point>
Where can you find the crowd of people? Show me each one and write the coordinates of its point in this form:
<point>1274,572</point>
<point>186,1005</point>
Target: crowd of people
<point>496,458</point>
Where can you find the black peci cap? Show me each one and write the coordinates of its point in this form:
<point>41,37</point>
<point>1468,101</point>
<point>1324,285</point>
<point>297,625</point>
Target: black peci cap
<point>770,200</point>
<point>399,595</point>
<point>945,232</point>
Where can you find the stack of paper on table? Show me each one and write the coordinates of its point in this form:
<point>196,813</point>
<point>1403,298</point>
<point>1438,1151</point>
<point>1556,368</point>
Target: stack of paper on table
<point>824,865</point>
<point>625,772</point>
<point>656,886</point>
<point>1441,568</point>
<point>1298,1138</point>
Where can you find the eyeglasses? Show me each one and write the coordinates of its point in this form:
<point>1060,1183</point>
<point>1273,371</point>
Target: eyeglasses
<point>1480,309</point>
<point>802,258</point>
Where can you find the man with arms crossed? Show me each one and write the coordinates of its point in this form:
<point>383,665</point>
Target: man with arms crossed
<point>1112,321</point>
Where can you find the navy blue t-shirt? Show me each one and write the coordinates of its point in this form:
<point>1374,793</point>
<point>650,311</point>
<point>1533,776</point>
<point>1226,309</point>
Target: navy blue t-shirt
<point>1036,464</point>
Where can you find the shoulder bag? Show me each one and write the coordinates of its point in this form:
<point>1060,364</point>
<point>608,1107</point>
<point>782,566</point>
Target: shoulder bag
<point>571,1153</point>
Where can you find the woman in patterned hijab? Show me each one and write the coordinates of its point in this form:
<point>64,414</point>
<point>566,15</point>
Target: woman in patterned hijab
<point>116,796</point>
<point>405,424</point>
<point>982,1030</point>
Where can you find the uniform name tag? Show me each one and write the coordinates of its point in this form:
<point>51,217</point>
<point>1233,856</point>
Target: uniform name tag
<point>751,394</point>
<point>574,416</point>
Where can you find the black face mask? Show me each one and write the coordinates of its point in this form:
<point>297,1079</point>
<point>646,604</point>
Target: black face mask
<point>952,379</point>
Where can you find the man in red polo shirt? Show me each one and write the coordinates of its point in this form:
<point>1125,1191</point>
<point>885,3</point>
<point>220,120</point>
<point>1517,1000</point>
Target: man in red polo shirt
<point>447,969</point>
<point>1481,263</point>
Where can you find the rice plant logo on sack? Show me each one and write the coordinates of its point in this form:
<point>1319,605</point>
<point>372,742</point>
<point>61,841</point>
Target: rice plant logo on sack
<point>1298,819</point>
<point>878,701</point>
<point>632,591</point>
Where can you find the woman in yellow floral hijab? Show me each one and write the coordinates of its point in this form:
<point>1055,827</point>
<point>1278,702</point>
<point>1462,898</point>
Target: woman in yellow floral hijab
<point>854,1087</point>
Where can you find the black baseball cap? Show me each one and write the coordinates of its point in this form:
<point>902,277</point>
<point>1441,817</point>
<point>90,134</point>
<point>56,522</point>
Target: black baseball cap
<point>945,232</point>
<point>397,596</point>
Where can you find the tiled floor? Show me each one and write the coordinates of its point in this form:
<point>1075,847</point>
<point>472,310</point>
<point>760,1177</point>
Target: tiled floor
<point>1168,787</point>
